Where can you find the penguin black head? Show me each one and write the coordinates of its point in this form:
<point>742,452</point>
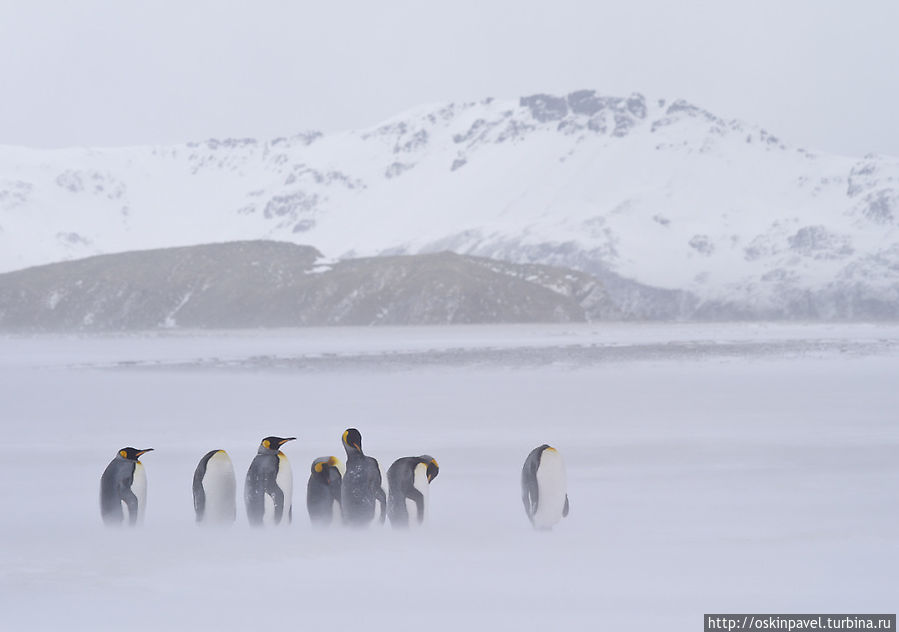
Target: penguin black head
<point>352,440</point>
<point>275,443</point>
<point>321,464</point>
<point>433,468</point>
<point>132,454</point>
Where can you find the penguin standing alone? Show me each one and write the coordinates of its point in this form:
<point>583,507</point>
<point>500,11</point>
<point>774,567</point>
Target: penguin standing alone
<point>215,489</point>
<point>409,479</point>
<point>544,487</point>
<point>123,488</point>
<point>361,485</point>
<point>268,489</point>
<point>323,491</point>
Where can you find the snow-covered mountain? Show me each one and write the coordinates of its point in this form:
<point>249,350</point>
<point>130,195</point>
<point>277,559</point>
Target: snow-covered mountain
<point>679,212</point>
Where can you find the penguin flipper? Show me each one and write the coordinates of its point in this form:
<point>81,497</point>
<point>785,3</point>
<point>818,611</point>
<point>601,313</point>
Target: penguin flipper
<point>530,491</point>
<point>278,498</point>
<point>130,501</point>
<point>336,493</point>
<point>200,505</point>
<point>381,497</point>
<point>565,509</point>
<point>526,500</point>
<point>418,498</point>
<point>253,495</point>
<point>199,497</point>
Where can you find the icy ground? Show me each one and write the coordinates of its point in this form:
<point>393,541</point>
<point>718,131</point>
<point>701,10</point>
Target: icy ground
<point>711,468</point>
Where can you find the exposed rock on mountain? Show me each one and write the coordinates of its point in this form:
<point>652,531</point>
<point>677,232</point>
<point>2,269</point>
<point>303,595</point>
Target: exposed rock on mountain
<point>274,284</point>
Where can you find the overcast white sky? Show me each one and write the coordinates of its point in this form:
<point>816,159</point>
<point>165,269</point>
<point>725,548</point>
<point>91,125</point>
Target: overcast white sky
<point>819,73</point>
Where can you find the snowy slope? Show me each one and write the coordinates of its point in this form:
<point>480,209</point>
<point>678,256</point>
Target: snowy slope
<point>749,483</point>
<point>661,193</point>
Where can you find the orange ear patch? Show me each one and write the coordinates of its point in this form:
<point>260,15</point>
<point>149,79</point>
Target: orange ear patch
<point>267,444</point>
<point>123,454</point>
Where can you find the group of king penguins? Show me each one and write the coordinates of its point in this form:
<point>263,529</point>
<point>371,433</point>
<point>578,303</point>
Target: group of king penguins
<point>351,493</point>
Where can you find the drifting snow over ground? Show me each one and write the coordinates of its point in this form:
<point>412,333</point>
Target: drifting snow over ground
<point>732,468</point>
<point>662,193</point>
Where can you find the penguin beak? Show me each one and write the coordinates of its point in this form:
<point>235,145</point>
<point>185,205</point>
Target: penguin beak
<point>140,452</point>
<point>283,441</point>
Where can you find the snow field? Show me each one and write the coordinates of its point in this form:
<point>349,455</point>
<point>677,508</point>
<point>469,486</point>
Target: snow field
<point>697,485</point>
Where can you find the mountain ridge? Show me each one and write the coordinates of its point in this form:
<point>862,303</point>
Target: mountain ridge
<point>278,284</point>
<point>681,213</point>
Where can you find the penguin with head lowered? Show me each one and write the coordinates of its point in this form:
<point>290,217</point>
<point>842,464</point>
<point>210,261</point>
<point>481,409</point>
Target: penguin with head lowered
<point>544,487</point>
<point>409,479</point>
<point>215,489</point>
<point>123,488</point>
<point>268,489</point>
<point>361,485</point>
<point>323,491</point>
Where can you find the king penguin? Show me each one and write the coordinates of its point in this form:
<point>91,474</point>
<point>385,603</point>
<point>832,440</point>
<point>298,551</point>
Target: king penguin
<point>323,491</point>
<point>269,486</point>
<point>361,485</point>
<point>544,488</point>
<point>215,489</point>
<point>409,479</point>
<point>123,488</point>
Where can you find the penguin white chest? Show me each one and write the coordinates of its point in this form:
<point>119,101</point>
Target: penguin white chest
<point>552,488</point>
<point>139,488</point>
<point>420,483</point>
<point>284,481</point>
<point>220,487</point>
